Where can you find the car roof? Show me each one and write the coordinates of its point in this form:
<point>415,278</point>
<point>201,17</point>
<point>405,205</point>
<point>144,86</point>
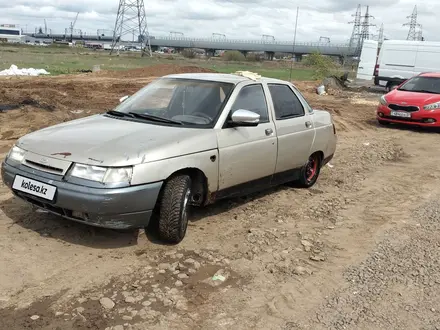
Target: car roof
<point>430,74</point>
<point>223,77</point>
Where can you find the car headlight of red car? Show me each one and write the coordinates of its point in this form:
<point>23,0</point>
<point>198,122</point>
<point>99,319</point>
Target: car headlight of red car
<point>432,106</point>
<point>383,100</point>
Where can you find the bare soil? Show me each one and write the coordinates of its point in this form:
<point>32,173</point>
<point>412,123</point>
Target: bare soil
<point>359,250</point>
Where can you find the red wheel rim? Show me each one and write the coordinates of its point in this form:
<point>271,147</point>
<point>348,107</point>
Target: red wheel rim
<point>311,168</point>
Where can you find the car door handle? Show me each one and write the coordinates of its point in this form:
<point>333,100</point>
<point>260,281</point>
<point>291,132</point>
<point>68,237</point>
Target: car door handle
<point>308,124</point>
<point>269,131</point>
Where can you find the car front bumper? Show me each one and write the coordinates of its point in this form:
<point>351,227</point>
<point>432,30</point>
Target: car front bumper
<point>418,118</point>
<point>115,208</point>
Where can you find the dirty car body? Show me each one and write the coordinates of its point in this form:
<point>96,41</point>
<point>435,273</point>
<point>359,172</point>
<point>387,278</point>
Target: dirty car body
<point>186,139</point>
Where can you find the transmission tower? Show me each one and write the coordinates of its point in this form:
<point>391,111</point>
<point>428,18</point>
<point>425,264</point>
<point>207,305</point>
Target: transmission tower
<point>365,33</point>
<point>131,17</point>
<point>354,40</point>
<point>412,33</point>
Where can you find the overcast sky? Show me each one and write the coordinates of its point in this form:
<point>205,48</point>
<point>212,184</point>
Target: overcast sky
<point>234,18</point>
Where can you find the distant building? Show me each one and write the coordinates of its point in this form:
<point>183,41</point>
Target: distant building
<point>11,33</point>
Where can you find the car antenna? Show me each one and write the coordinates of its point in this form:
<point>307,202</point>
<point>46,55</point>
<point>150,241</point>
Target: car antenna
<point>293,46</point>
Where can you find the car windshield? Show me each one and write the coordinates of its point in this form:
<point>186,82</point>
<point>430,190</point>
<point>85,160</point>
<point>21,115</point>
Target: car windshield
<point>183,102</point>
<point>422,84</point>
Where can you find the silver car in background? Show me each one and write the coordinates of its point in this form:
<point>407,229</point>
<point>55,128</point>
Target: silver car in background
<point>185,139</point>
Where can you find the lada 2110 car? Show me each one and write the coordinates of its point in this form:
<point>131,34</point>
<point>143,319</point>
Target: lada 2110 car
<point>185,139</point>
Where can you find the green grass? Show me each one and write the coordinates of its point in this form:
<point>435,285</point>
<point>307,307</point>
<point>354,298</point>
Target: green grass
<point>277,73</point>
<point>63,60</point>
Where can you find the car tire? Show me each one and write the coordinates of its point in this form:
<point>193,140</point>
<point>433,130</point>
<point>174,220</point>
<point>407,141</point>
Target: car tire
<point>391,85</point>
<point>173,209</point>
<point>310,171</point>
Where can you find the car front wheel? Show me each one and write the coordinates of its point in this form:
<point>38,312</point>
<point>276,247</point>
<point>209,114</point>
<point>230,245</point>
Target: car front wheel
<point>173,210</point>
<point>310,172</point>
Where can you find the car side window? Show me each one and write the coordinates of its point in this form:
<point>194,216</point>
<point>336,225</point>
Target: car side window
<point>303,100</point>
<point>252,98</point>
<point>286,103</point>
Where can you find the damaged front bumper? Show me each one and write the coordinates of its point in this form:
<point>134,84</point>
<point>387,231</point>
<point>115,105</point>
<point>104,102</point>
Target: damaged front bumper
<point>115,208</point>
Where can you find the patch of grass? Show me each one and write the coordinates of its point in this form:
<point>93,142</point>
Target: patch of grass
<point>64,60</point>
<point>277,73</point>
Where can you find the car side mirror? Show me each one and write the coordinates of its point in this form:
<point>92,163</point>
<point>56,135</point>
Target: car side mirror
<point>122,99</point>
<point>244,117</point>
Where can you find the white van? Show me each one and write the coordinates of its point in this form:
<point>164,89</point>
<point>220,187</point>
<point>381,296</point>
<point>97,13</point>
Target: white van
<point>400,60</point>
<point>367,60</point>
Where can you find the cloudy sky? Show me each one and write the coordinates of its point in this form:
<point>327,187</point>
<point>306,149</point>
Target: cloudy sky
<point>234,18</point>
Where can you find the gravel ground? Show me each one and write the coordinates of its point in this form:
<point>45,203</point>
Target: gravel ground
<point>398,285</point>
<point>359,250</point>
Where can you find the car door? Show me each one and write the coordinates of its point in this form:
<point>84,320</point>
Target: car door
<point>247,155</point>
<point>367,60</point>
<point>294,126</point>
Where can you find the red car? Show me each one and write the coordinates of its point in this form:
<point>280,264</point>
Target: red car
<point>414,102</point>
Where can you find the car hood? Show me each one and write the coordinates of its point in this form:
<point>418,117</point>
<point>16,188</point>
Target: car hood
<point>100,140</point>
<point>411,98</point>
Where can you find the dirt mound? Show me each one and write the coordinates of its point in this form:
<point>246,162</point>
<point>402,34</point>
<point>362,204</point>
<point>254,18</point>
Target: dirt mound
<point>154,71</point>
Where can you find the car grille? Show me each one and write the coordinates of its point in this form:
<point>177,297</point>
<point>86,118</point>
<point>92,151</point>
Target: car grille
<point>46,206</point>
<point>44,168</point>
<point>408,108</point>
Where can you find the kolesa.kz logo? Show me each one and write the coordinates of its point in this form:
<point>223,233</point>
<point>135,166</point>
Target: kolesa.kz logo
<point>32,187</point>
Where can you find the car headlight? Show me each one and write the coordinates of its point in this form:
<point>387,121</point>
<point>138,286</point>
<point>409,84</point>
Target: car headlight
<point>432,106</point>
<point>102,174</point>
<point>16,154</point>
<point>383,100</point>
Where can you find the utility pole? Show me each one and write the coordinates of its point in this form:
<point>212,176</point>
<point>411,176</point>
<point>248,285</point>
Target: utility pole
<point>131,16</point>
<point>380,38</point>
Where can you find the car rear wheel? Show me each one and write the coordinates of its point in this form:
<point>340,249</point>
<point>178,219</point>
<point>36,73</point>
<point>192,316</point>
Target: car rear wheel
<point>173,210</point>
<point>310,172</point>
<point>390,86</point>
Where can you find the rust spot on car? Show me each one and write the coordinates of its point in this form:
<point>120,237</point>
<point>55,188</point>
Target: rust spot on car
<point>211,198</point>
<point>65,154</point>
